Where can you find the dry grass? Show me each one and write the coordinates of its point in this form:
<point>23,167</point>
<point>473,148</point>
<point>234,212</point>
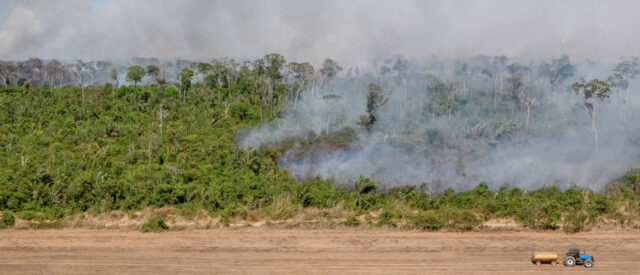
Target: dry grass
<point>284,213</point>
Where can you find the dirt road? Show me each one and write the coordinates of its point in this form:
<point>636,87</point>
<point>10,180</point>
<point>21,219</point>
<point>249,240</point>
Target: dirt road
<point>275,251</point>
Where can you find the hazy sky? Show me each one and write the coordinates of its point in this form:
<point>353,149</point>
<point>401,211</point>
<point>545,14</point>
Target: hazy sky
<point>350,31</point>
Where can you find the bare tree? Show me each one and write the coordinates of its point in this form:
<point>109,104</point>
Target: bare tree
<point>589,94</point>
<point>303,72</point>
<point>6,69</point>
<point>113,73</point>
<point>620,79</point>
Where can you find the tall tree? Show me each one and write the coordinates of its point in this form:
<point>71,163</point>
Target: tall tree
<point>560,70</point>
<point>53,70</point>
<point>274,63</point>
<point>303,72</point>
<point>620,79</point>
<point>154,72</point>
<point>6,69</point>
<point>78,69</point>
<point>329,69</point>
<point>590,93</point>
<point>135,75</point>
<point>203,70</point>
<point>113,74</point>
<point>375,100</point>
<point>185,81</point>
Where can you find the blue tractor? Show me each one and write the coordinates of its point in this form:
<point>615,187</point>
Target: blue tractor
<point>574,257</point>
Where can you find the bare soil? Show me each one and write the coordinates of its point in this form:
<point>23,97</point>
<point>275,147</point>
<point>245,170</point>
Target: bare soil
<point>283,251</point>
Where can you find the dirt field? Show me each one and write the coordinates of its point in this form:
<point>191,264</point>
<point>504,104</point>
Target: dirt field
<point>278,251</point>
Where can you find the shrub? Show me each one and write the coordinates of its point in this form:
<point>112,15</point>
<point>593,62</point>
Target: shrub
<point>369,201</point>
<point>365,186</point>
<point>427,221</point>
<point>28,215</point>
<point>317,193</point>
<point>601,205</point>
<point>7,219</point>
<point>400,192</point>
<point>352,222</point>
<point>461,220</point>
<point>574,222</point>
<point>385,218</point>
<point>155,224</point>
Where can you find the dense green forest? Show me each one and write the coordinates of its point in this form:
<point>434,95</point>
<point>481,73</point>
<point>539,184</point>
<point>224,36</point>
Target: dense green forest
<point>71,149</point>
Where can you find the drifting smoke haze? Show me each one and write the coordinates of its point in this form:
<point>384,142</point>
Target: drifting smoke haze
<point>352,32</point>
<point>411,143</point>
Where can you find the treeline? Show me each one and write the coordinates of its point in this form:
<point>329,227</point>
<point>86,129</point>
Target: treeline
<point>66,150</point>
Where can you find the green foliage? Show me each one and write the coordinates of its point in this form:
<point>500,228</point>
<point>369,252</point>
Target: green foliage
<point>365,186</point>
<point>317,193</point>
<point>28,215</point>
<point>574,222</point>
<point>135,74</point>
<point>153,71</point>
<point>352,221</point>
<point>59,157</point>
<point>461,220</point>
<point>375,100</point>
<point>427,221</point>
<point>185,78</point>
<point>386,217</point>
<point>154,224</point>
<point>7,219</point>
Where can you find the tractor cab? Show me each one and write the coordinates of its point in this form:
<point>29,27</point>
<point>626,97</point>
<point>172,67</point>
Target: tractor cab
<point>573,257</point>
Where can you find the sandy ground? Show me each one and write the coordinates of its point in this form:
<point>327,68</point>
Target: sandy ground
<point>279,251</point>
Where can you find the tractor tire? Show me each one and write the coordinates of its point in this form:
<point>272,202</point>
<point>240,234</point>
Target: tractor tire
<point>569,261</point>
<point>588,263</point>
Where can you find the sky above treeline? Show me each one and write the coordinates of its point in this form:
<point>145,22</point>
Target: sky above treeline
<point>349,31</point>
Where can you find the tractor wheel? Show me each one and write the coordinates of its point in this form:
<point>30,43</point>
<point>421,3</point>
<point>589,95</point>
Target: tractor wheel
<point>588,263</point>
<point>569,261</point>
<point>538,263</point>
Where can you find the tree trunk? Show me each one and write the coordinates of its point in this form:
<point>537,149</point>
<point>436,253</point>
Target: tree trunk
<point>404,98</point>
<point>501,76</point>
<point>82,91</point>
<point>328,120</point>
<point>135,94</point>
<point>528,114</point>
<point>495,91</point>
<point>624,107</point>
<point>593,128</point>
<point>295,100</point>
<point>160,117</point>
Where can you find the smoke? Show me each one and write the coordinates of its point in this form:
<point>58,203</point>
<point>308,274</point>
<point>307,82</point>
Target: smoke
<point>483,137</point>
<point>350,31</point>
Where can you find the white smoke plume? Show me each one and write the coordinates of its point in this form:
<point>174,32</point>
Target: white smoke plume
<point>410,146</point>
<point>353,32</point>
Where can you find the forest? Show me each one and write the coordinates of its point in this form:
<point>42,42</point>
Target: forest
<point>419,144</point>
